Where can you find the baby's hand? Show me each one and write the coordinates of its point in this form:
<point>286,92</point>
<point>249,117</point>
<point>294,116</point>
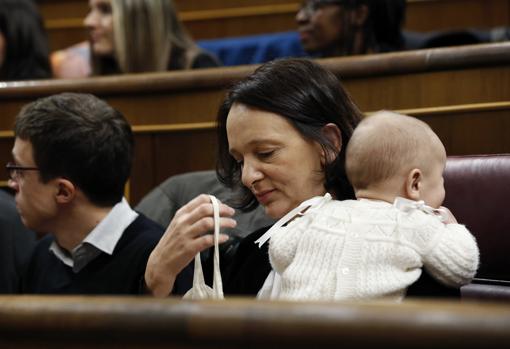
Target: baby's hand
<point>450,218</point>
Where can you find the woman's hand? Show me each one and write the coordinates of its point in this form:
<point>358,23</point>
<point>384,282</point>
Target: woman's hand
<point>183,239</point>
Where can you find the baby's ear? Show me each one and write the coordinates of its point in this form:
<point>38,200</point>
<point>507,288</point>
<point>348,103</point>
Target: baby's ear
<point>332,133</point>
<point>413,184</point>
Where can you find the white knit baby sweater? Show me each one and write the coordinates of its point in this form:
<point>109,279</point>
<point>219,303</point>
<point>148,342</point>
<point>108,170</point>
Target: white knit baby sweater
<point>368,249</point>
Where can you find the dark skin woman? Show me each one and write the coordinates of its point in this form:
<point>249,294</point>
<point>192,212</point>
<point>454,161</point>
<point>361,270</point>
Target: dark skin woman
<point>330,28</point>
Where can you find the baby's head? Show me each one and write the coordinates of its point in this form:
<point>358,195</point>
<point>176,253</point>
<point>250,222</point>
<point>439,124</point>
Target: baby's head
<point>392,155</point>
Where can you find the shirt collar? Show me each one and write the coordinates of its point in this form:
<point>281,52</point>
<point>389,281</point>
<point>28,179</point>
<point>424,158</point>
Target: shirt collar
<point>109,231</point>
<point>104,237</point>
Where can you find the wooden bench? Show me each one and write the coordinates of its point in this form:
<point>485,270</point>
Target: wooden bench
<point>165,150</point>
<point>226,18</point>
<point>127,322</point>
<point>403,80</point>
<point>175,111</point>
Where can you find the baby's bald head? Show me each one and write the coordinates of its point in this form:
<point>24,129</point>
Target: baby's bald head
<point>387,145</point>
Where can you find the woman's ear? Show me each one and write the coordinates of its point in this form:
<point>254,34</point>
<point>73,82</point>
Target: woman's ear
<point>413,184</point>
<point>66,191</point>
<point>332,133</point>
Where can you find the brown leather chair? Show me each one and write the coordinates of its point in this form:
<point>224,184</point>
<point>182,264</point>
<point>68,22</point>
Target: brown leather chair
<point>477,187</point>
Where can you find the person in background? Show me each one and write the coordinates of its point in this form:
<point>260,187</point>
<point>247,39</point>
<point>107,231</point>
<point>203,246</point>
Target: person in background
<point>329,28</point>
<point>72,157</point>
<point>376,246</point>
<point>24,53</point>
<point>132,36</point>
<point>16,244</point>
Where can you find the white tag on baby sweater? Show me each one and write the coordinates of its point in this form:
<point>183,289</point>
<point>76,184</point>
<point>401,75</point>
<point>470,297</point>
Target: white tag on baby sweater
<point>311,204</point>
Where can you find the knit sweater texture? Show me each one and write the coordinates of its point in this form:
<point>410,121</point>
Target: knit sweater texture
<point>366,250</point>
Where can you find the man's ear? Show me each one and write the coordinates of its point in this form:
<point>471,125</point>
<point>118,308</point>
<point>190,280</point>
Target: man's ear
<point>332,133</point>
<point>413,184</point>
<point>66,191</point>
<point>359,15</point>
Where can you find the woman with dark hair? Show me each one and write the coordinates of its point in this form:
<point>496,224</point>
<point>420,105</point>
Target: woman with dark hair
<point>282,135</point>
<point>348,27</point>
<point>23,45</point>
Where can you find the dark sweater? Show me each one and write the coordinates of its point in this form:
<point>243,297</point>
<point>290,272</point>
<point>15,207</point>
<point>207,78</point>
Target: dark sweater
<point>250,268</point>
<point>16,245</point>
<point>119,273</point>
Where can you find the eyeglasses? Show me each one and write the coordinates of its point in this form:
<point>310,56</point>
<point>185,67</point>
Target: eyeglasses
<point>312,6</point>
<point>14,171</point>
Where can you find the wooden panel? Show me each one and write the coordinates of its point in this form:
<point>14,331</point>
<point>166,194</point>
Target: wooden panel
<point>127,322</point>
<point>429,89</point>
<point>412,79</point>
<point>142,174</point>
<point>469,129</point>
<point>420,79</point>
<point>198,5</point>
<point>164,154</point>
<point>262,23</point>
<point>226,18</point>
<point>63,9</point>
<point>457,14</point>
<point>165,150</point>
<point>64,35</point>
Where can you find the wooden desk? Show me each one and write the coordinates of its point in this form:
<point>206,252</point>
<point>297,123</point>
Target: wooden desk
<point>127,322</point>
<point>226,18</point>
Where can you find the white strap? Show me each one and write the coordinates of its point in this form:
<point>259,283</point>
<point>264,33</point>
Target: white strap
<point>272,286</point>
<point>406,205</point>
<point>200,290</point>
<point>312,204</point>
<point>217,282</point>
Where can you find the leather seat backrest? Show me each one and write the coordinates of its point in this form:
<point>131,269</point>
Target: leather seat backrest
<point>477,192</point>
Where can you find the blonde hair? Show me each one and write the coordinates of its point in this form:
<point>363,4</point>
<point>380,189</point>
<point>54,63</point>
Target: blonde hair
<point>147,36</point>
<point>386,145</point>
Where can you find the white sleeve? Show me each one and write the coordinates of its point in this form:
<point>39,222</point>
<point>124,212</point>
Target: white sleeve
<point>284,242</point>
<point>452,256</point>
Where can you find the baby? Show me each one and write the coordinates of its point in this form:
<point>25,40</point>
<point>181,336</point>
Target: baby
<point>375,246</point>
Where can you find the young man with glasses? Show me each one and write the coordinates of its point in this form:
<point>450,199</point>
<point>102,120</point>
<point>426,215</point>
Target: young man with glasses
<point>330,28</point>
<point>72,157</point>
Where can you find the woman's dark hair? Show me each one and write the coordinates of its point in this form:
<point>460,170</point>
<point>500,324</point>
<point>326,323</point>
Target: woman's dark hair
<point>308,96</point>
<point>382,29</point>
<point>384,25</point>
<point>26,51</point>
